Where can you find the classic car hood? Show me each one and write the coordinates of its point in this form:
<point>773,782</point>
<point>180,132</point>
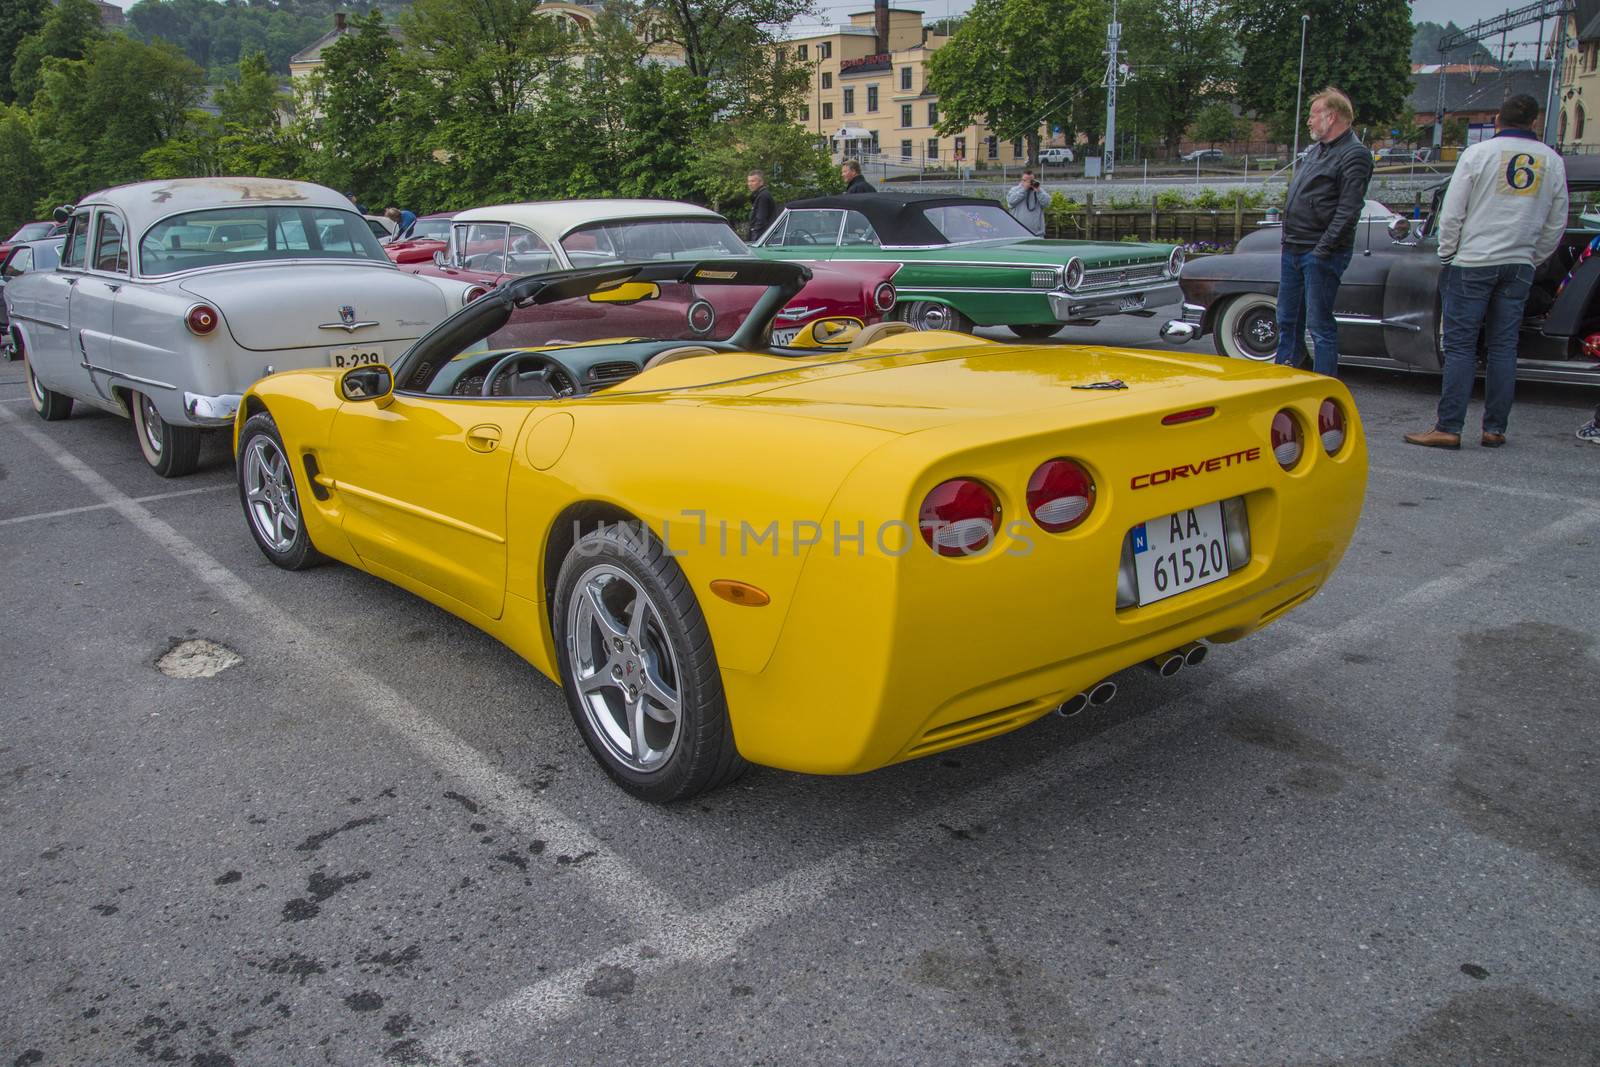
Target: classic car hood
<point>912,391</point>
<point>253,302</point>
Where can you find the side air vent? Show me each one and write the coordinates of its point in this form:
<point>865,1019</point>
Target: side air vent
<point>612,372</point>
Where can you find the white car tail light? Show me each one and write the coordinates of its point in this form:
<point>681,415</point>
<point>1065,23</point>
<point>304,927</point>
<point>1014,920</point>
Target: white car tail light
<point>1060,495</point>
<point>1288,441</point>
<point>959,517</point>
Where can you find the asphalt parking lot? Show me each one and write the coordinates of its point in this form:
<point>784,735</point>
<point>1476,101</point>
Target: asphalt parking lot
<point>1368,835</point>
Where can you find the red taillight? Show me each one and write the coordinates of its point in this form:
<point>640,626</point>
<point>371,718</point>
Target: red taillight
<point>1287,440</point>
<point>472,293</point>
<point>883,296</point>
<point>1060,495</point>
<point>1330,427</point>
<point>201,319</point>
<point>959,517</point>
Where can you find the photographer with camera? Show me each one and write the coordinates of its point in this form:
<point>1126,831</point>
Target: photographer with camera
<point>1026,201</point>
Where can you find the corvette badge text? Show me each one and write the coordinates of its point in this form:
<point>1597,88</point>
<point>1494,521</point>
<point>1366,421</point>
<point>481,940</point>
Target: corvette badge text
<point>1204,466</point>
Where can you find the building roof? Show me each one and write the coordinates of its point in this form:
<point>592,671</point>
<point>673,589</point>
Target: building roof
<point>551,219</point>
<point>144,203</point>
<point>1463,94</point>
<point>1586,18</point>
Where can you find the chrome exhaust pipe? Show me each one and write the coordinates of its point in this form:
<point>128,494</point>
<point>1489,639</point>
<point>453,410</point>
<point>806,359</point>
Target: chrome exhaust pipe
<point>1168,663</point>
<point>1194,654</point>
<point>1103,694</point>
<point>1073,705</point>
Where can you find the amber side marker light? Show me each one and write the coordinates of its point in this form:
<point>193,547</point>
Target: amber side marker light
<point>742,593</point>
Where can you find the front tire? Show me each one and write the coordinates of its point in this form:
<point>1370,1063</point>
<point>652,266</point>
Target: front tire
<point>269,498</point>
<point>1036,331</point>
<point>48,404</point>
<point>931,315</point>
<point>639,670</point>
<point>172,451</point>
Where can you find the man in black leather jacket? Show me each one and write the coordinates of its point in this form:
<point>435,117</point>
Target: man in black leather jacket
<point>1319,232</point>
<point>763,209</point>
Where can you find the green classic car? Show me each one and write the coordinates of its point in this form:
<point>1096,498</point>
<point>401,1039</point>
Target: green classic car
<point>964,262</point>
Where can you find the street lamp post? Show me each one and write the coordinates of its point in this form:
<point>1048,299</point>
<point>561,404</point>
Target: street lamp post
<point>1299,88</point>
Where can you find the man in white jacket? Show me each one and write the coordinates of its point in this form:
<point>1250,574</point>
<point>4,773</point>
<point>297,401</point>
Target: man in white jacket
<point>1503,215</point>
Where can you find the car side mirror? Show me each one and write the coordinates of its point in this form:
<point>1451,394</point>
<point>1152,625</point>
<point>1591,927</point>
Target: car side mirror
<point>62,213</point>
<point>373,382</point>
<point>826,333</point>
<point>1399,228</point>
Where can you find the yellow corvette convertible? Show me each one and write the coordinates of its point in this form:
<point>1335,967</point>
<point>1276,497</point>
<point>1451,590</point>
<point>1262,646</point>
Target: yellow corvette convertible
<point>862,549</point>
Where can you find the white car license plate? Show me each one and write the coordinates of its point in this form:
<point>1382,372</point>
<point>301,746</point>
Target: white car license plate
<point>784,337</point>
<point>355,356</point>
<point>1179,552</point>
<point>1131,303</point>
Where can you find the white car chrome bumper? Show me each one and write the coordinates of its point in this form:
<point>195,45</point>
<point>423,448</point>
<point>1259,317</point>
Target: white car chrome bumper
<point>211,410</point>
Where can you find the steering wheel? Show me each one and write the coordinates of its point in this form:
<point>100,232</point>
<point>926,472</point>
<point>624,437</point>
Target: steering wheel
<point>532,381</point>
<point>800,238</point>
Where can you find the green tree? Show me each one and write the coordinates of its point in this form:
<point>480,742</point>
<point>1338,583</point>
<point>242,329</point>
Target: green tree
<point>68,31</point>
<point>790,158</point>
<point>719,36</point>
<point>357,98</point>
<point>245,138</point>
<point>18,19</point>
<point>1216,123</point>
<point>19,170</point>
<point>1016,64</point>
<point>1182,54</point>
<point>1359,46</point>
<point>96,117</point>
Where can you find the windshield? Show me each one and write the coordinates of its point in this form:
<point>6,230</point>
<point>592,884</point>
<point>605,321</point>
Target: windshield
<point>255,234</point>
<point>651,240</point>
<point>31,232</point>
<point>431,230</point>
<point>961,223</point>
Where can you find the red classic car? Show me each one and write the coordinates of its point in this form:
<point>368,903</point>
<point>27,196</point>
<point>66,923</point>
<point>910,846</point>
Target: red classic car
<point>431,234</point>
<point>489,245</point>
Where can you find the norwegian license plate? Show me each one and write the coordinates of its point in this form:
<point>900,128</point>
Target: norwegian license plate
<point>784,337</point>
<point>355,356</point>
<point>1131,303</point>
<point>1179,552</point>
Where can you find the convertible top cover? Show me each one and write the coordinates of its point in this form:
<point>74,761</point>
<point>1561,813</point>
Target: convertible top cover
<point>897,217</point>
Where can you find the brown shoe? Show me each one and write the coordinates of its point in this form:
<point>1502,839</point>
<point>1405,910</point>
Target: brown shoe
<point>1434,438</point>
<point>1493,440</point>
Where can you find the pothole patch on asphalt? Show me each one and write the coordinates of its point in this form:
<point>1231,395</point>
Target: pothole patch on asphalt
<point>197,658</point>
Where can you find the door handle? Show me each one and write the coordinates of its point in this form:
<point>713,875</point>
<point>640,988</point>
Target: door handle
<point>113,286</point>
<point>484,438</point>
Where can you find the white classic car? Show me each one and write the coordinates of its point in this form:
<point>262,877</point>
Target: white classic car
<point>173,297</point>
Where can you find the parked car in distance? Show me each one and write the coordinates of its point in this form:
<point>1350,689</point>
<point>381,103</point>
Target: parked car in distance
<point>28,231</point>
<point>171,297</point>
<point>1389,307</point>
<point>17,260</point>
<point>431,234</point>
<point>1056,156</point>
<point>382,227</point>
<point>490,245</point>
<point>1201,155</point>
<point>601,527</point>
<point>965,261</point>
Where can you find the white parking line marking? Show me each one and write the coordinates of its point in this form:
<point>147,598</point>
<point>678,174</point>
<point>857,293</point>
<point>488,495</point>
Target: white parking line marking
<point>1487,487</point>
<point>624,890</point>
<point>12,399</point>
<point>103,507</point>
<point>716,933</point>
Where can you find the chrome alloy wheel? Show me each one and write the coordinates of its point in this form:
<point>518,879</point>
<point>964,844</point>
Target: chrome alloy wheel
<point>934,317</point>
<point>625,670</point>
<point>269,494</point>
<point>150,422</point>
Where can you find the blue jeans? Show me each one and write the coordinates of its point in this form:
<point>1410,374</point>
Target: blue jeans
<point>1490,299</point>
<point>1306,289</point>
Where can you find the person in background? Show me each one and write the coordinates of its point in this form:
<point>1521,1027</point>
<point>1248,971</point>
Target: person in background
<point>763,209</point>
<point>1590,431</point>
<point>1503,214</point>
<point>1319,232</point>
<point>352,198</point>
<point>1026,201</point>
<point>850,171</point>
<point>405,220</point>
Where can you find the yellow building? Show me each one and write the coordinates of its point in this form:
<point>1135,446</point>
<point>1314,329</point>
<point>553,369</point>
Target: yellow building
<point>869,97</point>
<point>1578,118</point>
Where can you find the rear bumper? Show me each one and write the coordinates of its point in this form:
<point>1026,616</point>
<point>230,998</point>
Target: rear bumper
<point>1068,306</point>
<point>881,660</point>
<point>216,411</point>
<point>1187,326</point>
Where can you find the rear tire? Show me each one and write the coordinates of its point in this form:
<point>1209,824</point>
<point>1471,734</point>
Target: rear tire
<point>931,315</point>
<point>48,404</point>
<point>639,670</point>
<point>270,500</point>
<point>172,451</point>
<point>1036,331</point>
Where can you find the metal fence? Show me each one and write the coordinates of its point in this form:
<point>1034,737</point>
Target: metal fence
<point>1221,228</point>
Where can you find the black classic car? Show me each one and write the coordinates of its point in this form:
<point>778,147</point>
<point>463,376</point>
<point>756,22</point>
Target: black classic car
<point>1388,306</point>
